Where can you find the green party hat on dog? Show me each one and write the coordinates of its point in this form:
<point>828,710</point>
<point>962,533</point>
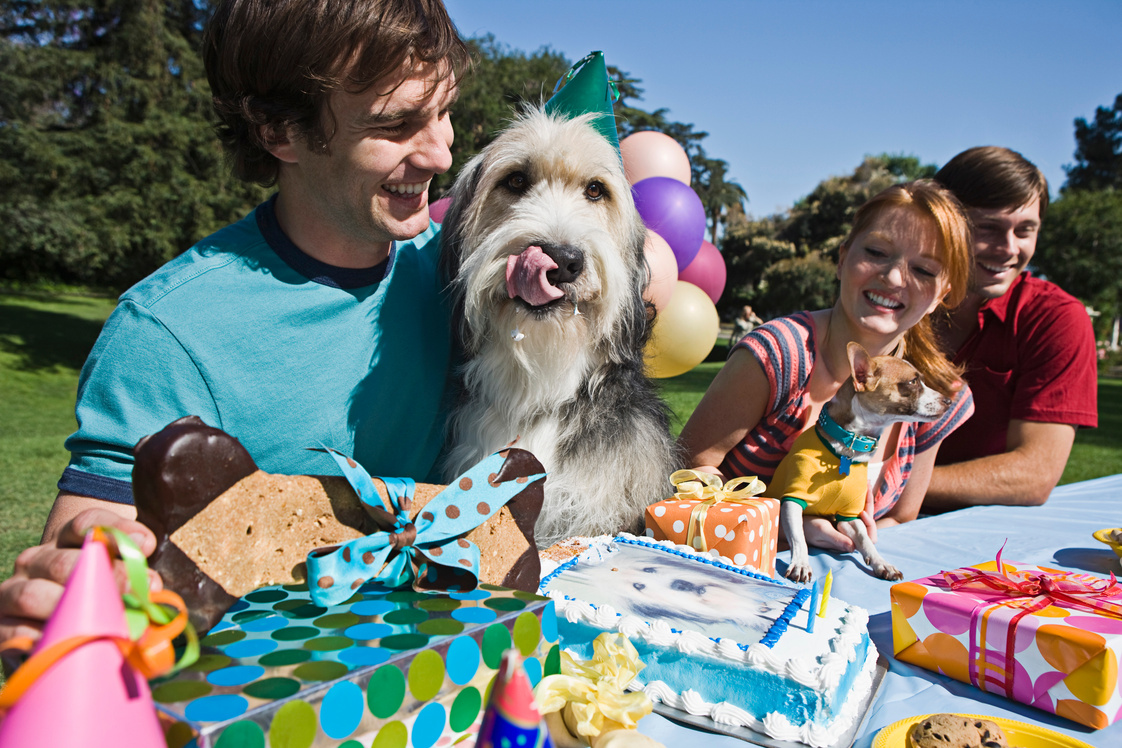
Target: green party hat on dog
<point>587,88</point>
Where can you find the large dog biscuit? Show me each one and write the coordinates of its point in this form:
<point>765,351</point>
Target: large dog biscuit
<point>224,528</point>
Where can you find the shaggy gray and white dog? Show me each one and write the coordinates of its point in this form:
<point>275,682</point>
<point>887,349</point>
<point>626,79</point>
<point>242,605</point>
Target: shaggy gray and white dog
<point>544,251</point>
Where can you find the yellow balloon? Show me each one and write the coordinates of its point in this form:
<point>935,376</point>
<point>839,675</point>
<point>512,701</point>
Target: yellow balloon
<point>684,332</point>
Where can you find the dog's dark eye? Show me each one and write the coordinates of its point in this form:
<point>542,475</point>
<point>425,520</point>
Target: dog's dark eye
<point>518,182</point>
<point>595,191</point>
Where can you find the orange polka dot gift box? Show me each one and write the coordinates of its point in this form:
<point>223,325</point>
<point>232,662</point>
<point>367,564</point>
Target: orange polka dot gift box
<point>1045,637</point>
<point>397,667</point>
<point>729,519</point>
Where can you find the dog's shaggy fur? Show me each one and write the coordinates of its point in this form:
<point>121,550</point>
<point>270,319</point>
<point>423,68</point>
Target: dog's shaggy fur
<point>564,378</point>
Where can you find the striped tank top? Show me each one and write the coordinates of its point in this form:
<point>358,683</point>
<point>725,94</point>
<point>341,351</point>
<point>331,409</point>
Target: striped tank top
<point>785,350</point>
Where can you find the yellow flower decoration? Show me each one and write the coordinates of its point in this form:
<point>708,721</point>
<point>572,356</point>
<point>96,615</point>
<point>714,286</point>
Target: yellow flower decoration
<point>592,693</point>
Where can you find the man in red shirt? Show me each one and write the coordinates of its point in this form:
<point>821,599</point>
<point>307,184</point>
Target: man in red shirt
<point>1028,347</point>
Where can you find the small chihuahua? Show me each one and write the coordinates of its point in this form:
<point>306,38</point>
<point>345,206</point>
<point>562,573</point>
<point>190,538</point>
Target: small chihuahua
<point>826,471</point>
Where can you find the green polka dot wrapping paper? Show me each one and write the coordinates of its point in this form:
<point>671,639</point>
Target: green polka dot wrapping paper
<point>385,668</point>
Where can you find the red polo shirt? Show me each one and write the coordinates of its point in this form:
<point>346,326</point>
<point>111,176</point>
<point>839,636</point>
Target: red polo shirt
<point>1032,358</point>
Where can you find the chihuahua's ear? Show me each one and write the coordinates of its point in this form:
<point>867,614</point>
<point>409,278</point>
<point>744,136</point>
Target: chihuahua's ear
<point>861,363</point>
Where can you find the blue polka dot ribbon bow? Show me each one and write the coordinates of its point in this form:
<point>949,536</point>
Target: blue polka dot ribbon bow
<point>428,551</point>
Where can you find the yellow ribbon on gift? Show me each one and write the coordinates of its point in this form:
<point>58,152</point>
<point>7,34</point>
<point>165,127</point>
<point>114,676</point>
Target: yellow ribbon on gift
<point>708,489</point>
<point>594,691</point>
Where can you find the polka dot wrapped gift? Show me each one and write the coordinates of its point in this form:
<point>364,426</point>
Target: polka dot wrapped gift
<point>389,668</point>
<point>725,519</point>
<point>1048,638</point>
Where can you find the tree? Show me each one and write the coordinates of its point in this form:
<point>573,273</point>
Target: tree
<point>717,194</point>
<point>108,162</point>
<point>780,263</point>
<point>808,282</point>
<point>1098,151</point>
<point>821,220</point>
<point>501,83</point>
<point>1080,247</point>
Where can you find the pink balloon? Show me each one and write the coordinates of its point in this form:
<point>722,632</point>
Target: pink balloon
<point>653,154</point>
<point>707,271</point>
<point>439,208</point>
<point>664,270</point>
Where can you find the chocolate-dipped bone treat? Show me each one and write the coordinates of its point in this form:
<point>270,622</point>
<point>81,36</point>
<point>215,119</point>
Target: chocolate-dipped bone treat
<point>224,528</point>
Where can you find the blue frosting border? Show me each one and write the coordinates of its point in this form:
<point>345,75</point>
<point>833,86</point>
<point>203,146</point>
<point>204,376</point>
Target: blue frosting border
<point>778,628</point>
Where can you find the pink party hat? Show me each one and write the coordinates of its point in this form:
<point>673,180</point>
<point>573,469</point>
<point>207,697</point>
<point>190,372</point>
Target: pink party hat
<point>91,696</point>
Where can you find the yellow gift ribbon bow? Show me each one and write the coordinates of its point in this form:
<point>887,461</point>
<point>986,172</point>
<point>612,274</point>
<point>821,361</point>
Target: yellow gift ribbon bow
<point>707,489</point>
<point>594,690</point>
<point>152,627</point>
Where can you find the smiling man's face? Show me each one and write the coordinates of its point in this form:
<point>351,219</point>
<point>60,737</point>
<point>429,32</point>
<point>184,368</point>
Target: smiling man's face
<point>1004,243</point>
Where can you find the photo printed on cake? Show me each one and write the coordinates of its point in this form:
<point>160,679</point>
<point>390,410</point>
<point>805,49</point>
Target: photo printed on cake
<point>687,594</point>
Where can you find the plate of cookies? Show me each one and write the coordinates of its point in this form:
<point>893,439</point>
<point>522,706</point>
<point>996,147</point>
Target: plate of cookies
<point>970,731</point>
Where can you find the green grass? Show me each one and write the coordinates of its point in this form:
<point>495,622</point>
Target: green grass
<point>43,341</point>
<point>1098,452</point>
<point>44,338</point>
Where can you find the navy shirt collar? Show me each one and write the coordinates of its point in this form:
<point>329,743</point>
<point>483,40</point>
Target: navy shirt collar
<point>310,267</point>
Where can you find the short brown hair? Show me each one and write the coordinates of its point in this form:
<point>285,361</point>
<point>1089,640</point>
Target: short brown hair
<point>935,202</point>
<point>994,178</point>
<point>272,64</point>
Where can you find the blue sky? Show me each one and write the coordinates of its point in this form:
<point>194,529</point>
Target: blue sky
<point>794,91</point>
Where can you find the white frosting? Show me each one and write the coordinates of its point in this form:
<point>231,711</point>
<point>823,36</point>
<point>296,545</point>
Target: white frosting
<point>774,724</point>
<point>839,633</point>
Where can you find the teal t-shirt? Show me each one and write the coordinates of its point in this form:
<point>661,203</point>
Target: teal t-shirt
<point>277,349</point>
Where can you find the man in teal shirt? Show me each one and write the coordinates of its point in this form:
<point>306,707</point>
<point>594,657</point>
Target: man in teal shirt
<point>316,319</point>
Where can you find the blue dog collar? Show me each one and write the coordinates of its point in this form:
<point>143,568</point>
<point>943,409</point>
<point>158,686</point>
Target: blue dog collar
<point>847,439</point>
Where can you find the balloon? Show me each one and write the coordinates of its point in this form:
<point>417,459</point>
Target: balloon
<point>674,212</point>
<point>684,332</point>
<point>439,208</point>
<point>707,271</point>
<point>664,270</point>
<point>654,154</point>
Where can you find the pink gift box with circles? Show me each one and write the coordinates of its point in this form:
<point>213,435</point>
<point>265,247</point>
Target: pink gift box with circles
<point>1045,637</point>
<point>745,531</point>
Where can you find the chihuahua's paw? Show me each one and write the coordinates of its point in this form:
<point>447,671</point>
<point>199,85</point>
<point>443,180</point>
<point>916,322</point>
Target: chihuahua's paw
<point>888,571</point>
<point>799,571</point>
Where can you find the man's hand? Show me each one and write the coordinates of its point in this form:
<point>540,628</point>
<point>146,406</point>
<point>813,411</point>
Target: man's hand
<point>31,594</point>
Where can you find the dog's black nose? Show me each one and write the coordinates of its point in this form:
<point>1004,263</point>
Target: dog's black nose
<point>570,263</point>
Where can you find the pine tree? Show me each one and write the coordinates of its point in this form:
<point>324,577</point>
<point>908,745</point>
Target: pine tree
<point>108,161</point>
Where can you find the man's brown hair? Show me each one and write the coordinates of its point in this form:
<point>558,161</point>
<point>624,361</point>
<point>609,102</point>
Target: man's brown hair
<point>994,178</point>
<point>272,64</point>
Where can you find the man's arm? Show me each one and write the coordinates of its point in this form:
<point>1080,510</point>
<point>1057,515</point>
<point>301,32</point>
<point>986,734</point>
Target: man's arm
<point>1024,475</point>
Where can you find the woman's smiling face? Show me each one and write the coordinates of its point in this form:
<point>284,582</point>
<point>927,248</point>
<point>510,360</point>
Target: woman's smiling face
<point>891,274</point>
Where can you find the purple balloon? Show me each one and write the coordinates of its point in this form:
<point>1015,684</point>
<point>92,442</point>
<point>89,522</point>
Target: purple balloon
<point>707,271</point>
<point>673,211</point>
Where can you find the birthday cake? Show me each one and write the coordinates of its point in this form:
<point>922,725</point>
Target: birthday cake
<point>718,640</point>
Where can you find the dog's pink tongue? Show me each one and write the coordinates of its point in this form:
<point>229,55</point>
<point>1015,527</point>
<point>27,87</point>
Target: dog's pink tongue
<point>525,277</point>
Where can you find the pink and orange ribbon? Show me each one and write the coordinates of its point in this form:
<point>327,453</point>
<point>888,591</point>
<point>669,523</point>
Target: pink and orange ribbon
<point>1043,588</point>
<point>1031,591</point>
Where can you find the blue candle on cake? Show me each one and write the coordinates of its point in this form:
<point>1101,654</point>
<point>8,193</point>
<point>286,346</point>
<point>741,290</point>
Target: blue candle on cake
<point>812,609</point>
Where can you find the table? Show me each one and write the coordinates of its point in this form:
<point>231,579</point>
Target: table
<point>1057,534</point>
